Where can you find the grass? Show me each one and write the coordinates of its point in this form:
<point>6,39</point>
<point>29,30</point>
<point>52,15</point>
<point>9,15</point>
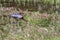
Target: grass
<point>37,28</point>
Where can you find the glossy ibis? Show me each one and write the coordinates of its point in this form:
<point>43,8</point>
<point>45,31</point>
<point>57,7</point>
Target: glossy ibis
<point>17,16</point>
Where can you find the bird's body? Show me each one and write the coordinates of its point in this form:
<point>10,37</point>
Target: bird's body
<point>16,15</point>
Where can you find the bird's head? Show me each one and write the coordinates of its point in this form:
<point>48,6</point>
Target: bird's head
<point>20,10</point>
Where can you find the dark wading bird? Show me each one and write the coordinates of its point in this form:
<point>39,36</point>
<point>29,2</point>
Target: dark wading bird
<point>17,16</point>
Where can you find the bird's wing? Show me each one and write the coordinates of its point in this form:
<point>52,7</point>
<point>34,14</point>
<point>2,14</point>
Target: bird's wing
<point>17,15</point>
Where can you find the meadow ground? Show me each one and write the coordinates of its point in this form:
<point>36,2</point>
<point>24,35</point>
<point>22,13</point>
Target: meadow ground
<point>40,26</point>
